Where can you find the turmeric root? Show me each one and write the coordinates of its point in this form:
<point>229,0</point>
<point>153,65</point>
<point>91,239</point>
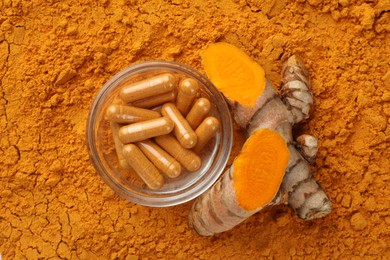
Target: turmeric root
<point>308,147</point>
<point>236,197</point>
<point>261,175</point>
<point>296,93</point>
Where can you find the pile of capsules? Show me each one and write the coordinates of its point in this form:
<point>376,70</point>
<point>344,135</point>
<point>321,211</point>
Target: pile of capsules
<point>146,113</point>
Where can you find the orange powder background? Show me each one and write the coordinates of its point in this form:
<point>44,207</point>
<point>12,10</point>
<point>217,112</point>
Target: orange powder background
<point>56,55</point>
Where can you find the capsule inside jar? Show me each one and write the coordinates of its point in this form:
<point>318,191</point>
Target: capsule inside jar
<point>149,87</point>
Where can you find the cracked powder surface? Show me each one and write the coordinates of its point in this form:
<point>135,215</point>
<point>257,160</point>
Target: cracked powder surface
<point>56,55</point>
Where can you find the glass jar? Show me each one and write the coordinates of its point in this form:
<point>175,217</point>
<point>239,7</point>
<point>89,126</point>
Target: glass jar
<point>125,182</point>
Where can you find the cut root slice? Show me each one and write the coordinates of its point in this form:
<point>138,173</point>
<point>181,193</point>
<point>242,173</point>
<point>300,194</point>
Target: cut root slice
<point>259,169</point>
<point>234,73</point>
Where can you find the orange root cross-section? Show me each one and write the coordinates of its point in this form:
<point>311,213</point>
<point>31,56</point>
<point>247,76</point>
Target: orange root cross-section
<point>259,169</point>
<point>232,71</point>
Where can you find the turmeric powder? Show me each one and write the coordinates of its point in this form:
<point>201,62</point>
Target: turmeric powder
<point>56,55</point>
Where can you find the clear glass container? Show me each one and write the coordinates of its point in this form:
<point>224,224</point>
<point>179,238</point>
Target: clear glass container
<point>125,182</point>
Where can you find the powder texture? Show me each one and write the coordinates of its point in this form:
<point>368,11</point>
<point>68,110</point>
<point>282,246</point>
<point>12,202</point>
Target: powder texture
<point>56,55</point>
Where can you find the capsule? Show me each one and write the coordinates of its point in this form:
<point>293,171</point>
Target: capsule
<point>146,129</point>
<point>156,100</point>
<point>118,145</point>
<point>128,114</point>
<point>148,87</point>
<point>188,88</point>
<point>186,157</point>
<point>143,167</point>
<point>198,112</point>
<point>161,159</point>
<point>205,132</point>
<point>183,131</point>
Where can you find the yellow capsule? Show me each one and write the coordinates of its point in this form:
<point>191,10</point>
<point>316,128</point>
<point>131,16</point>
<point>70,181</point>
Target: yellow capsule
<point>118,145</point>
<point>188,88</point>
<point>161,159</point>
<point>198,112</point>
<point>205,132</point>
<point>148,87</point>
<point>183,131</point>
<point>156,100</point>
<point>143,167</point>
<point>186,157</point>
<point>146,129</point>
<point>129,114</point>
